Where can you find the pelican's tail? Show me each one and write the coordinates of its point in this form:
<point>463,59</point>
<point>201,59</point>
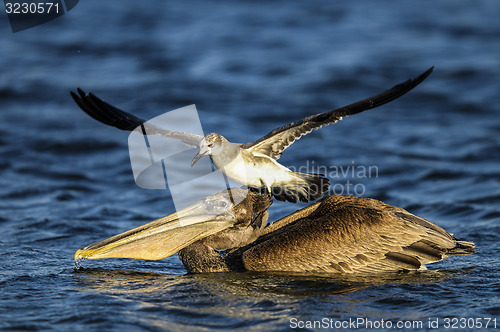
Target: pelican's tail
<point>463,248</point>
<point>305,187</point>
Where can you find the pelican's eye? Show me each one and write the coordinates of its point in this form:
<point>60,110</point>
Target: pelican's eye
<point>223,204</point>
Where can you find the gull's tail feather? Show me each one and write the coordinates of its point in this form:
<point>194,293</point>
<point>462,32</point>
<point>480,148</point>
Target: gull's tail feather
<point>307,187</point>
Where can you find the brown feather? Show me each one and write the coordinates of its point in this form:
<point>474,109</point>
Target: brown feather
<point>344,234</point>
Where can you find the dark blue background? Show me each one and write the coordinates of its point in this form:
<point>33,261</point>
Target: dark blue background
<point>249,66</point>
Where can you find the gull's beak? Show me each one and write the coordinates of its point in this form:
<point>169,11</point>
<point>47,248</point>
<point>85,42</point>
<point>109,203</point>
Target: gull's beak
<point>163,237</point>
<point>203,152</point>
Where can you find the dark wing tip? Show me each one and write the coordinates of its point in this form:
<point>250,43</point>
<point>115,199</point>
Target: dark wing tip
<point>79,100</point>
<point>306,125</point>
<point>384,97</point>
<point>104,112</point>
<point>413,82</point>
<point>81,94</point>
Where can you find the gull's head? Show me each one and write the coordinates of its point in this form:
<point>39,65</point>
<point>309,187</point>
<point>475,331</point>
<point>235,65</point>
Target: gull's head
<point>210,144</point>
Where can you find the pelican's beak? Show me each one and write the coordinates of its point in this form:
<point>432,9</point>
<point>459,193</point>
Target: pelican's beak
<point>203,152</point>
<point>163,237</point>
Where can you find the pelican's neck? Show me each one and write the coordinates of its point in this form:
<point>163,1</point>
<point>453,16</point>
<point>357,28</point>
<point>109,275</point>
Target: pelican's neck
<point>200,258</point>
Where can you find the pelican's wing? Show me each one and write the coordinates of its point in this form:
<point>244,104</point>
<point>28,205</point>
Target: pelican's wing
<point>352,238</point>
<point>274,143</point>
<point>112,116</point>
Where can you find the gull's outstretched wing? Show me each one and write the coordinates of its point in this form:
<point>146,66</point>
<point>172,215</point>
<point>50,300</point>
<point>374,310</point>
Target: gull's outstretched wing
<point>112,116</point>
<point>274,143</point>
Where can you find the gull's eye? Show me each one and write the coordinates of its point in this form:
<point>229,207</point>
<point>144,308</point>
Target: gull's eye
<point>211,145</point>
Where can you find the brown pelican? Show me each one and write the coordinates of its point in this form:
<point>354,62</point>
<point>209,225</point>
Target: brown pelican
<point>338,234</point>
<point>253,164</point>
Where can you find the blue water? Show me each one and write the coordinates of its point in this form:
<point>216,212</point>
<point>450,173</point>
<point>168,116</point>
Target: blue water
<point>249,66</point>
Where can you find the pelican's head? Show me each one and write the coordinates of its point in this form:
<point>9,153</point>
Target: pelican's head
<point>210,144</point>
<point>226,219</point>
